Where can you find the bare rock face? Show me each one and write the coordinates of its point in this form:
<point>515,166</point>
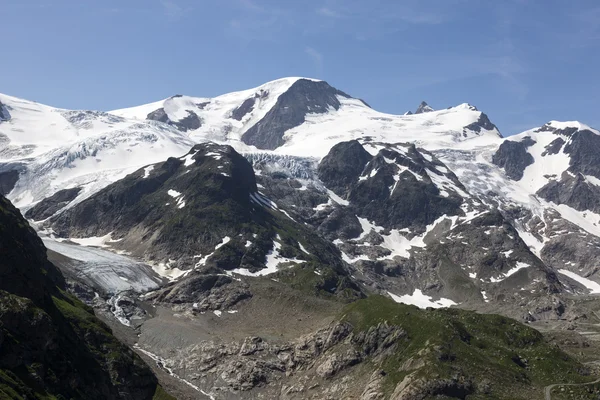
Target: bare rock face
<point>514,158</point>
<point>190,122</point>
<point>424,108</point>
<point>4,114</point>
<point>303,97</point>
<point>51,205</point>
<point>343,165</point>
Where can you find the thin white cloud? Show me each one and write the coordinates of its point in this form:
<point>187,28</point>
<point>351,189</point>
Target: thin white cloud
<point>317,59</point>
<point>172,10</point>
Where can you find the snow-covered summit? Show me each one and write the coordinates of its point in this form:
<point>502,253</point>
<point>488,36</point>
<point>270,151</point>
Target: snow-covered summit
<point>57,148</point>
<point>567,125</point>
<point>308,119</point>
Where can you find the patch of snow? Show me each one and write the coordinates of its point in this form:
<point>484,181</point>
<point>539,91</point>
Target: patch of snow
<point>93,241</point>
<point>337,198</point>
<point>273,259</point>
<point>147,171</point>
<point>485,298</point>
<point>188,159</point>
<point>520,265</point>
<point>421,300</point>
<point>593,287</point>
<point>173,193</point>
<point>303,248</point>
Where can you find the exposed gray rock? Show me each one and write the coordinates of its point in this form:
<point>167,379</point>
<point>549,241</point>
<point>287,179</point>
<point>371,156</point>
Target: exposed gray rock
<point>554,147</point>
<point>51,205</point>
<point>8,180</point>
<point>513,157</point>
<point>343,165</point>
<point>573,190</point>
<point>248,105</point>
<point>482,123</point>
<point>4,114</point>
<point>423,108</point>
<point>190,122</point>
<point>303,97</point>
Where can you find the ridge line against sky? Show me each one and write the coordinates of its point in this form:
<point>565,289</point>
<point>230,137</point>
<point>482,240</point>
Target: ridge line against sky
<point>523,62</point>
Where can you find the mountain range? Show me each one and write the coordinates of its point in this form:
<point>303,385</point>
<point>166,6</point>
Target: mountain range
<point>206,206</point>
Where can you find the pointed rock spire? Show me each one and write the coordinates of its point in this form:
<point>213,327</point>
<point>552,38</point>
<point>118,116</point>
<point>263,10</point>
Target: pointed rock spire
<point>423,108</point>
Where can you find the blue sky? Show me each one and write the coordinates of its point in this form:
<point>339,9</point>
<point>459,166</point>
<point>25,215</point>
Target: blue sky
<point>523,62</point>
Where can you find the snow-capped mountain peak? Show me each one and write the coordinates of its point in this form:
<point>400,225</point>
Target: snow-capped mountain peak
<point>424,108</point>
<point>571,126</point>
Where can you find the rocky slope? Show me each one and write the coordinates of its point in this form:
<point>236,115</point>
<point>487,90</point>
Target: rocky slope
<point>51,344</point>
<point>372,349</point>
<point>201,219</point>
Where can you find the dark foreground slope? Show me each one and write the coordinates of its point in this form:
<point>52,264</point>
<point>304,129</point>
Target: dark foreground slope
<point>51,345</point>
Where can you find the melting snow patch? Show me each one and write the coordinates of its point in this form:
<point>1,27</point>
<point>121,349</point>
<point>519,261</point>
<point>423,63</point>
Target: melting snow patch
<point>202,261</point>
<point>485,298</point>
<point>520,265</point>
<point>147,171</point>
<point>589,284</point>
<point>218,313</point>
<point>188,160</point>
<point>94,241</point>
<point>273,260</point>
<point>421,300</point>
<point>337,198</point>
<point>303,248</point>
<point>173,193</point>
<point>507,253</point>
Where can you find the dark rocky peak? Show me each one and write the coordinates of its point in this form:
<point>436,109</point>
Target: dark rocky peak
<point>4,114</point>
<point>482,123</point>
<point>302,98</point>
<point>393,188</point>
<point>203,210</point>
<point>424,108</point>
<point>584,147</point>
<point>408,113</point>
<point>343,165</point>
<point>576,186</point>
<point>514,157</point>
